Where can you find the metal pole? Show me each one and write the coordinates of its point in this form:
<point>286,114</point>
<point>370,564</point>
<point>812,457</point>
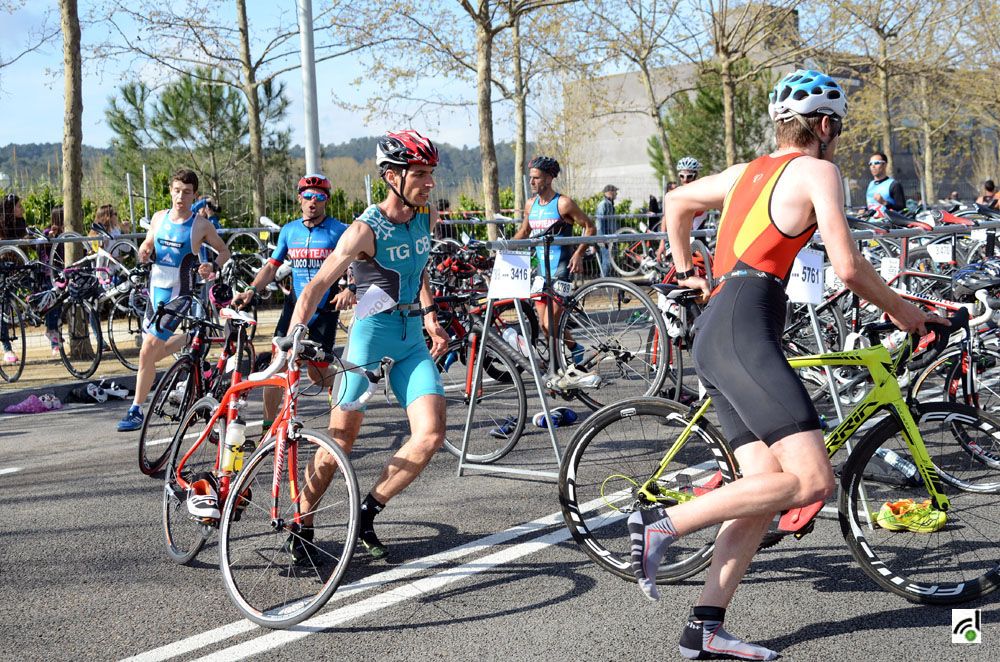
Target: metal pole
<point>145,193</point>
<point>309,85</point>
<point>131,202</point>
<point>368,189</point>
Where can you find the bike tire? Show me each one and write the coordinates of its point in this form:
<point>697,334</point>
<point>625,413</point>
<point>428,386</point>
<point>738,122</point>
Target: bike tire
<point>260,576</point>
<point>626,258</point>
<point>82,340</point>
<point>12,330</point>
<point>125,332</point>
<point>616,450</point>
<point>501,411</point>
<point>612,317</point>
<point>176,391</point>
<point>184,536</point>
<point>954,564</point>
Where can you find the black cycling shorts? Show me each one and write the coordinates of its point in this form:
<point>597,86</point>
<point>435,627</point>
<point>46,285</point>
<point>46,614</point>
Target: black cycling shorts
<point>737,353</point>
<point>323,329</point>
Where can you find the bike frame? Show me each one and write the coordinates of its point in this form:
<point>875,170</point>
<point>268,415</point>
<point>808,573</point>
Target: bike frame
<point>885,395</point>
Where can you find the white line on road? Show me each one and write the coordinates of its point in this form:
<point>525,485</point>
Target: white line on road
<point>375,581</point>
<point>9,470</point>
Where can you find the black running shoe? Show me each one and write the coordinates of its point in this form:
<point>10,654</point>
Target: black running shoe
<point>300,545</point>
<point>372,544</point>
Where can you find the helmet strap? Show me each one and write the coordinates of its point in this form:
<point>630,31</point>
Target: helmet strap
<point>402,187</point>
<point>822,144</point>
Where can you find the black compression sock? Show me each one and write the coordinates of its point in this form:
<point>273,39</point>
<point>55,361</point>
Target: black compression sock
<point>370,507</point>
<point>705,639</point>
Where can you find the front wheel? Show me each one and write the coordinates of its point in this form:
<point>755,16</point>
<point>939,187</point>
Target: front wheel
<point>174,393</point>
<point>125,332</point>
<point>618,450</point>
<point>942,557</point>
<point>276,573</point>
<point>82,340</point>
<point>12,340</point>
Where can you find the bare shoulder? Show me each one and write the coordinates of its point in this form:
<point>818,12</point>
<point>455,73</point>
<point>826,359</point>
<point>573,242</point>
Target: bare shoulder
<point>809,167</point>
<point>358,239</point>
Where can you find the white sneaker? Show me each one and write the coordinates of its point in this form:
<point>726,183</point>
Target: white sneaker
<point>573,377</point>
<point>10,358</point>
<point>176,395</point>
<point>202,501</point>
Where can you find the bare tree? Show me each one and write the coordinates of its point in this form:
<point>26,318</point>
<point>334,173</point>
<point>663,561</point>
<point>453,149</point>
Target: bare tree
<point>182,37</point>
<point>72,145</point>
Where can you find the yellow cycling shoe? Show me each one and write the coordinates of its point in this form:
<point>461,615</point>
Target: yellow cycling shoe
<point>905,515</point>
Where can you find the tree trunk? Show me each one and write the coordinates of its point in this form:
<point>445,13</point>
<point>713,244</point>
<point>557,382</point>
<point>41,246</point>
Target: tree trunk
<point>925,111</point>
<point>883,80</point>
<point>72,146</point>
<point>728,109</point>
<point>249,88</point>
<point>654,112</point>
<point>484,55</point>
<point>521,111</point>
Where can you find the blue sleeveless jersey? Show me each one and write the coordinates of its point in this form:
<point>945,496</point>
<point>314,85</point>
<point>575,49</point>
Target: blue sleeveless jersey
<point>401,254</point>
<point>541,218</point>
<point>174,269</point>
<point>882,188</point>
<point>306,249</point>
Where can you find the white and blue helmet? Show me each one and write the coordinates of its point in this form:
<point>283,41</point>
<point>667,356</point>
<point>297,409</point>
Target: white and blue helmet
<point>806,92</point>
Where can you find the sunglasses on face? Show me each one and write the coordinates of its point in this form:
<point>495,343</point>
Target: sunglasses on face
<point>871,163</point>
<point>687,178</point>
<point>318,197</point>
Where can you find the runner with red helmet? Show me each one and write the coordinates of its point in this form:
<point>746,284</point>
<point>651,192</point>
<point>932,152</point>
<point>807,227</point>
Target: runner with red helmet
<point>388,245</point>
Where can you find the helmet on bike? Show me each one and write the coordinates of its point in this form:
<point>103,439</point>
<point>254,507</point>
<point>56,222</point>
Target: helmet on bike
<point>404,148</point>
<point>43,302</point>
<point>546,164</point>
<point>221,295</point>
<point>973,277</point>
<point>314,181</point>
<point>689,163</point>
<point>806,92</point>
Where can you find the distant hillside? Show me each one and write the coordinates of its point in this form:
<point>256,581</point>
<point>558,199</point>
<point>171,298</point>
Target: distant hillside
<point>31,162</point>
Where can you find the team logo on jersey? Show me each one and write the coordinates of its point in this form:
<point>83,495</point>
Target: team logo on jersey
<point>381,226</point>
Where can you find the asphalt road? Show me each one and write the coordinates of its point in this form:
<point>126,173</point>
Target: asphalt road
<point>481,568</point>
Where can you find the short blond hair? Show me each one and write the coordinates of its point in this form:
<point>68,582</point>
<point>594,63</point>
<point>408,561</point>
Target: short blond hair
<point>791,133</point>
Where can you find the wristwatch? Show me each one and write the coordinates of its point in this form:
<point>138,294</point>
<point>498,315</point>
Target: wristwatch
<point>433,308</point>
<point>681,275</point>
<point>353,288</point>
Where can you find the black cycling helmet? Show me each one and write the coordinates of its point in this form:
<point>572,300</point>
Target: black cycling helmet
<point>221,295</point>
<point>973,277</point>
<point>546,164</point>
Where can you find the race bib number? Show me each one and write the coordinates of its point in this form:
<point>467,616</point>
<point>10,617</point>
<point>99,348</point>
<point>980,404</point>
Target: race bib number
<point>375,301</point>
<point>940,252</point>
<point>805,284</point>
<point>511,277</point>
<point>889,268</point>
<point>562,287</point>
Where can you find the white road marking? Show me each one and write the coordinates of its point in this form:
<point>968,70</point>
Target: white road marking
<point>167,440</point>
<point>9,470</point>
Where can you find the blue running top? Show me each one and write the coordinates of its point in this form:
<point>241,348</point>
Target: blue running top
<point>306,249</point>
<point>176,260</point>
<point>541,218</point>
<point>401,254</point>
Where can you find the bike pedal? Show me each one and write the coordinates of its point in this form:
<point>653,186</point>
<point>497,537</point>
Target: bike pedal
<point>805,530</point>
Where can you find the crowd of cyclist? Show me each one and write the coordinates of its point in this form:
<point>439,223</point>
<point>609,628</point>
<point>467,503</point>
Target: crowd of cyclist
<point>377,266</point>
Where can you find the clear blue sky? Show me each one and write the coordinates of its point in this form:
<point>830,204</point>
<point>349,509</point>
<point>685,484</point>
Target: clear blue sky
<point>31,90</point>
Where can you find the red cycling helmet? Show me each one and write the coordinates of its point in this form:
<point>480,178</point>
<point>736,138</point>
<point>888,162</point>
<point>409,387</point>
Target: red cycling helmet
<point>315,181</point>
<point>404,148</point>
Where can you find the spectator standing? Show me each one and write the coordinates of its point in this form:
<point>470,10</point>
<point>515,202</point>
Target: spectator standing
<point>884,192</point>
<point>606,224</point>
<point>12,225</point>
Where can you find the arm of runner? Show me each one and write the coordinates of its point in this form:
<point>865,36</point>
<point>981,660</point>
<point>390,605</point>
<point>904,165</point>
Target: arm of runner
<point>827,195</point>
<point>525,229</point>
<point>569,209</point>
<point>147,246</point>
<point>439,337</point>
<point>357,241</point>
<point>259,282</point>
<point>211,237</point>
<point>679,207</point>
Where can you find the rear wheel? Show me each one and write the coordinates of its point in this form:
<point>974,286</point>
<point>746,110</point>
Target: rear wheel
<point>627,256</point>
<point>616,451</point>
<point>501,408</point>
<point>275,573</point>
<point>125,332</point>
<point>185,534</point>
